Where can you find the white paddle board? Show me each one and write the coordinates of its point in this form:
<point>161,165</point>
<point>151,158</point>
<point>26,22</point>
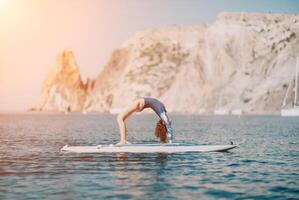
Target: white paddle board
<point>147,148</point>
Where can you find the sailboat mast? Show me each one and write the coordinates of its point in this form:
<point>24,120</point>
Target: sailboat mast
<point>296,83</point>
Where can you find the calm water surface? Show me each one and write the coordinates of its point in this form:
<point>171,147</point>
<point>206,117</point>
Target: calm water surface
<point>265,166</point>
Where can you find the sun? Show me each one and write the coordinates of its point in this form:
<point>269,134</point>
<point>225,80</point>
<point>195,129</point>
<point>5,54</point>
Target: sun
<point>10,11</point>
<point>7,6</point>
<point>4,4</point>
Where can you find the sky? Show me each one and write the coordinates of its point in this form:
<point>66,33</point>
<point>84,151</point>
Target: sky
<point>33,32</point>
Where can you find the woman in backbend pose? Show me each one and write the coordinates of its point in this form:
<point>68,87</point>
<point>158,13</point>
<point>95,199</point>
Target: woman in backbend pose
<point>163,130</point>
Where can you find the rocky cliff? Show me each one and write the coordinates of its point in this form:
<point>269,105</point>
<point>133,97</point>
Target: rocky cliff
<point>240,62</point>
<point>63,89</point>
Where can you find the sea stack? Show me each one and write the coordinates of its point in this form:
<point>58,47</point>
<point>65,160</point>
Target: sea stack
<point>63,89</point>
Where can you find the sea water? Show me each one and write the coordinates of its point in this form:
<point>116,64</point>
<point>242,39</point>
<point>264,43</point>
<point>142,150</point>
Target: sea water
<point>264,166</point>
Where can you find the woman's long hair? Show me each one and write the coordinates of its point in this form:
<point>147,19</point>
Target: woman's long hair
<point>161,131</point>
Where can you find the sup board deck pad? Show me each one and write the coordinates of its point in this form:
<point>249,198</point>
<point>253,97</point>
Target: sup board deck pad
<point>147,148</point>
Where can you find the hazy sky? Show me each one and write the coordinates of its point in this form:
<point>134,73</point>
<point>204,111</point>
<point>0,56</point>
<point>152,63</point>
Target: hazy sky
<point>32,32</point>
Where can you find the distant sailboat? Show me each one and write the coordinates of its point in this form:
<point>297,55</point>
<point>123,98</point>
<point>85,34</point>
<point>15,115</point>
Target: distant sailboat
<point>294,111</point>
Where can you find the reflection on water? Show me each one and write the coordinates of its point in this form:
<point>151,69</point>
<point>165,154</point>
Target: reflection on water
<point>31,165</point>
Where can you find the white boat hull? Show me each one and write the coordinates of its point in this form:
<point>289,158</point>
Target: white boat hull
<point>147,148</point>
<point>221,112</point>
<point>293,112</point>
<point>236,112</point>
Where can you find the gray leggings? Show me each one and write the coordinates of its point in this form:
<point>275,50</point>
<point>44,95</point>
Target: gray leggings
<point>167,123</point>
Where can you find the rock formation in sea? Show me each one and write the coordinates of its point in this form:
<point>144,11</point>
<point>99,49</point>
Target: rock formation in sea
<point>242,61</point>
<point>63,89</point>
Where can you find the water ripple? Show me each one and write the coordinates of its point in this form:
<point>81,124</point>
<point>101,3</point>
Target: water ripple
<point>265,166</point>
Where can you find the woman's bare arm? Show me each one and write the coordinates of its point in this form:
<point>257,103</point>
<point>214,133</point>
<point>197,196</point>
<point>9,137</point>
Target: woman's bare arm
<point>121,121</point>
